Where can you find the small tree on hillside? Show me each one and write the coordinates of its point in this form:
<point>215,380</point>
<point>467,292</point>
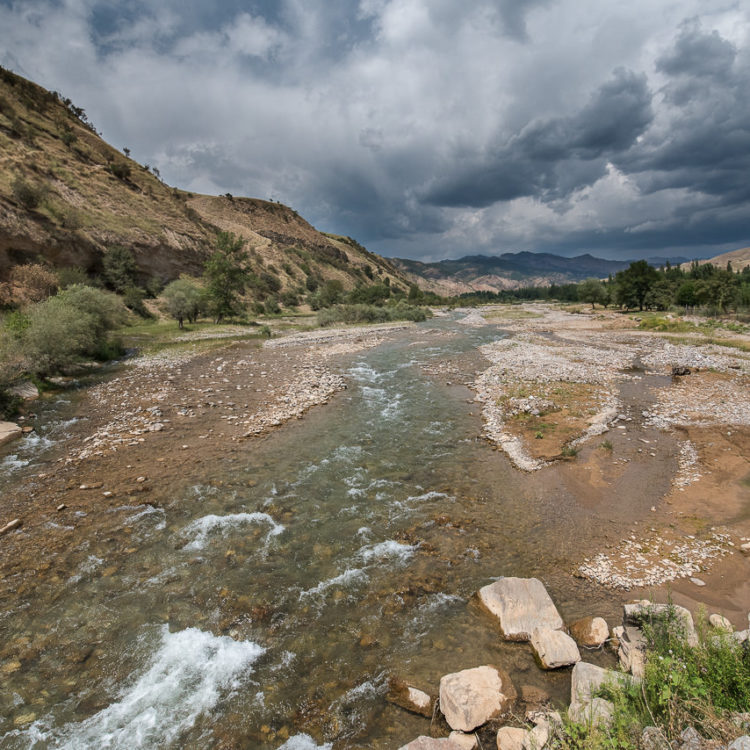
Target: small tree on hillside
<point>182,299</point>
<point>226,275</point>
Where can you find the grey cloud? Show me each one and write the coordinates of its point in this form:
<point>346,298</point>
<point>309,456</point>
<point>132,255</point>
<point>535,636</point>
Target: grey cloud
<point>541,159</point>
<point>698,53</point>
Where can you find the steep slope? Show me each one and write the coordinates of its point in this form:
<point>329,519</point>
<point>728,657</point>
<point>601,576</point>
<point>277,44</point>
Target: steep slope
<point>738,258</point>
<point>66,196</point>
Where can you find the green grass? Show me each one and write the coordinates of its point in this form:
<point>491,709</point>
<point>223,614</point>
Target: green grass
<point>683,686</point>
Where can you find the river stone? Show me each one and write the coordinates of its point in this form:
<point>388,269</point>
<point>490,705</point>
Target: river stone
<point>597,711</point>
<point>25,390</point>
<point>720,623</point>
<point>554,648</point>
<point>636,612</point>
<point>412,699</point>
<point>741,743</point>
<point>464,741</point>
<point>9,431</point>
<point>430,743</point>
<point>590,631</point>
<point>653,738</point>
<point>511,738</point>
<point>520,604</point>
<point>587,678</point>
<point>473,696</point>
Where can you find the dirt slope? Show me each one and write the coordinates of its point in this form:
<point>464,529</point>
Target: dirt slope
<point>66,195</point>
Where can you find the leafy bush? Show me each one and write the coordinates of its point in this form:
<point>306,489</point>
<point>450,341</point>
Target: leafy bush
<point>272,306</point>
<point>119,268</point>
<point>133,299</point>
<point>369,314</point>
<point>27,194</point>
<point>34,282</point>
<point>72,275</point>
<point>119,169</point>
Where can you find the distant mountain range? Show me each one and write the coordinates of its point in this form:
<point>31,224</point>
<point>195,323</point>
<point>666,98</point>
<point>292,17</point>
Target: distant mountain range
<point>495,273</point>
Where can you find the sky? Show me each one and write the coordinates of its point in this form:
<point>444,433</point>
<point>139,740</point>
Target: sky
<point>426,129</point>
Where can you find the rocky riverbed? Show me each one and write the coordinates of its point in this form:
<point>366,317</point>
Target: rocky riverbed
<point>586,418</point>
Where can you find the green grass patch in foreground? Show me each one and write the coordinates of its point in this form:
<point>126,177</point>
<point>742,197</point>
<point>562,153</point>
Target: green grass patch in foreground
<point>683,686</point>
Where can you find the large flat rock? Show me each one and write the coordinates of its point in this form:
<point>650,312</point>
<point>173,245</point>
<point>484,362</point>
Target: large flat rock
<point>9,431</point>
<point>521,605</point>
<point>554,649</point>
<point>472,697</point>
<point>642,611</point>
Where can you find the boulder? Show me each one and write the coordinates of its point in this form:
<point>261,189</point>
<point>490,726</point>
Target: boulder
<point>554,648</point>
<point>653,738</point>
<point>741,743</point>
<point>597,711</point>
<point>464,741</point>
<point>9,431</point>
<point>511,738</point>
<point>430,743</point>
<point>720,623</point>
<point>632,650</point>
<point>473,696</point>
<point>585,680</point>
<point>643,610</point>
<point>520,605</point>
<point>591,632</point>
<point>25,390</point>
<point>412,699</point>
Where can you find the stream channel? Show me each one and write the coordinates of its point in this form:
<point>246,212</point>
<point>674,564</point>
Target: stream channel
<point>268,603</point>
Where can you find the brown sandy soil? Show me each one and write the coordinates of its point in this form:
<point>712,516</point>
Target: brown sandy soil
<point>681,444</point>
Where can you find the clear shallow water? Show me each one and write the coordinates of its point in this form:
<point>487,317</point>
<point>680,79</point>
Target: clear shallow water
<point>265,602</point>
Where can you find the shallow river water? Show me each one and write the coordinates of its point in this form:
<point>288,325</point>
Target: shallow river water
<point>266,604</point>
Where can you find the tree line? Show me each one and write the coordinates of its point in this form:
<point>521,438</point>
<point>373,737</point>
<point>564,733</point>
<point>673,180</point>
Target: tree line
<point>643,287</point>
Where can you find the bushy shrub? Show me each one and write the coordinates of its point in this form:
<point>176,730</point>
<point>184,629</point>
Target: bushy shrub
<point>133,299</point>
<point>272,306</point>
<point>34,282</point>
<point>69,326</point>
<point>27,194</point>
<point>119,268</point>
<point>119,169</point>
<point>72,275</point>
<point>370,314</point>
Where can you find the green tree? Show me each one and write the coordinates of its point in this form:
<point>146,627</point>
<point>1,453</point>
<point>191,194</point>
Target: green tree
<point>182,299</point>
<point>119,268</point>
<point>590,290</point>
<point>226,275</point>
<point>634,283</point>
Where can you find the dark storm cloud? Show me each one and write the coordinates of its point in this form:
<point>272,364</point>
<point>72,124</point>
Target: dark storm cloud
<point>545,158</point>
<point>424,127</point>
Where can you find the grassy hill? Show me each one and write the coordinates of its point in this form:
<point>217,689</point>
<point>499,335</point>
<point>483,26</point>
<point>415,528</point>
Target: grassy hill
<point>66,196</point>
<point>738,258</point>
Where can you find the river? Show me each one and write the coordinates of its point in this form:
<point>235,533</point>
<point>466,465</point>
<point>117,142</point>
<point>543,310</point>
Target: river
<point>266,604</point>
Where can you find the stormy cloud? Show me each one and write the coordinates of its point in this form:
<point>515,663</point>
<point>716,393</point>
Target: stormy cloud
<point>426,128</point>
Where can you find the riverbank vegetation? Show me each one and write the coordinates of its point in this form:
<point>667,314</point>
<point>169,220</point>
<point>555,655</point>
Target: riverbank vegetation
<point>706,687</point>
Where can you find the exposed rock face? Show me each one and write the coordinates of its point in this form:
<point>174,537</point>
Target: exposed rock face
<point>554,648</point>
<point>638,612</point>
<point>430,743</point>
<point>590,631</point>
<point>741,743</point>
<point>412,699</point>
<point>521,605</point>
<point>473,696</point>
<point>9,431</point>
